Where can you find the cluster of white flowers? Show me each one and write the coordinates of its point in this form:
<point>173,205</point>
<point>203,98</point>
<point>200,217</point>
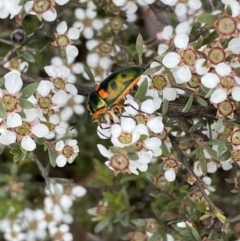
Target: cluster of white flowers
<point>50,222</point>
<point>27,116</point>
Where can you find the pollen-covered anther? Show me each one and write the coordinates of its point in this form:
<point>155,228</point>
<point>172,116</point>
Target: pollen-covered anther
<point>120,163</point>
<point>68,151</point>
<point>151,225</point>
<point>235,156</point>
<point>226,26</point>
<point>125,138</point>
<point>216,55</point>
<point>226,108</point>
<point>189,56</point>
<point>24,129</point>
<point>235,137</point>
<point>10,103</point>
<point>59,83</point>
<point>227,82</point>
<point>159,82</point>
<point>194,82</point>
<point>62,41</point>
<point>41,6</point>
<point>171,163</point>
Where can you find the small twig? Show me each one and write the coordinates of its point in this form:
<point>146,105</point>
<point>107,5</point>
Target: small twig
<point>189,125</point>
<point>185,162</point>
<point>43,171</point>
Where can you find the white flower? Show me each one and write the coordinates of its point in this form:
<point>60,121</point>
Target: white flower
<point>170,175</point>
<point>127,133</point>
<point>62,232</point>
<point>67,151</point>
<point>46,11</point>
<point>64,39</point>
<point>9,7</point>
<point>88,20</point>
<point>155,124</point>
<point>60,78</point>
<point>14,233</point>
<point>210,80</point>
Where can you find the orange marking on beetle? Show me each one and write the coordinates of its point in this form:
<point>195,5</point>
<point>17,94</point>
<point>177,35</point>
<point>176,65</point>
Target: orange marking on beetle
<point>103,94</point>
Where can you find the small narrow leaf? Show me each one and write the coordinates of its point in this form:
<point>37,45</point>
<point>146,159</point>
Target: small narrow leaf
<point>165,107</point>
<point>101,225</point>
<point>139,47</point>
<point>25,104</point>
<point>207,18</point>
<point>29,90</point>
<point>188,105</point>
<point>152,70</point>
<point>201,101</point>
<point>89,74</point>
<point>202,160</point>
<point>195,127</point>
<point>2,80</point>
<point>27,56</point>
<point>52,156</point>
<point>142,90</point>
<point>3,113</point>
<point>195,234</point>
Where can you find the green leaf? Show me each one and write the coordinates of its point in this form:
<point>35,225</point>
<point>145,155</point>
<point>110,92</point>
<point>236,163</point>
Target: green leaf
<point>101,225</point>
<point>142,90</point>
<point>189,104</point>
<point>201,101</point>
<point>2,80</point>
<point>139,47</point>
<point>210,37</point>
<point>52,156</point>
<point>29,90</point>
<point>170,76</point>
<point>152,70</point>
<point>28,56</point>
<point>1,148</point>
<point>207,18</point>
<point>235,219</point>
<point>3,112</point>
<point>198,44</point>
<point>25,104</point>
<point>133,156</point>
<point>202,161</point>
<point>219,123</point>
<point>195,127</point>
<point>165,107</point>
<point>138,222</point>
<point>89,73</point>
<point>149,176</point>
<point>195,234</point>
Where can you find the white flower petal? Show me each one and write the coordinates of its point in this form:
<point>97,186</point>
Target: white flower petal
<point>71,51</point>
<point>200,67</point>
<point>13,82</point>
<point>171,60</point>
<point>45,87</point>
<point>218,96</point>
<point>234,45</point>
<point>236,93</point>
<point>184,74</point>
<point>60,98</point>
<point>210,80</point>
<point>170,175</point>
<point>28,144</point>
<point>61,161</point>
<point>155,124</point>
<point>181,40</point>
<point>223,69</point>
<point>148,106</point>
<point>50,15</point>
<point>8,137</point>
<point>74,33</point>
<point>106,153</point>
<point>40,130</point>
<point>14,120</point>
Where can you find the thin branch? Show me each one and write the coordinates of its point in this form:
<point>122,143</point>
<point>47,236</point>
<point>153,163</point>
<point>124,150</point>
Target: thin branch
<point>185,162</point>
<point>43,171</point>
